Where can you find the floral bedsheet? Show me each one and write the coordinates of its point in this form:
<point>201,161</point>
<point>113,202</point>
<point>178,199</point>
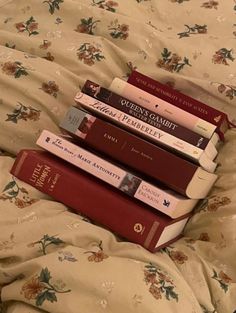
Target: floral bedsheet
<point>52,260</point>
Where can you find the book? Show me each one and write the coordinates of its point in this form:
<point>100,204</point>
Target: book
<point>117,143</point>
<point>162,107</point>
<point>187,103</point>
<point>183,176</point>
<point>174,136</point>
<point>87,195</point>
<point>135,125</point>
<point>106,170</point>
<point>95,90</point>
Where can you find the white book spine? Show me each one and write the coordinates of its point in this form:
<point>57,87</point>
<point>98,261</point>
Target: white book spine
<point>110,173</point>
<point>162,107</point>
<point>144,129</point>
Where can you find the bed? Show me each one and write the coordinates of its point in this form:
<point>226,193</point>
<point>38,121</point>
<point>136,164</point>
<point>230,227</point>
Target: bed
<point>53,260</point>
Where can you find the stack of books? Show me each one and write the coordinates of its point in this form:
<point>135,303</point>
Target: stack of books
<point>136,158</point>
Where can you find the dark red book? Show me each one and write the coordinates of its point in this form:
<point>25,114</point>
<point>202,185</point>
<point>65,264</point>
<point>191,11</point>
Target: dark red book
<point>85,194</point>
<point>173,171</point>
<point>182,101</point>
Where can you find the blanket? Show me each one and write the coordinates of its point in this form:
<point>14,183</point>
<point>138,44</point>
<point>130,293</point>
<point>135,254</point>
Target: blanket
<point>53,260</point>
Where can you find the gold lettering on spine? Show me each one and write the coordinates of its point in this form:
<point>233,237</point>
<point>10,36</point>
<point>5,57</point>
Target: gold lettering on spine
<point>40,174</point>
<point>36,173</point>
<point>41,180</point>
<point>54,181</point>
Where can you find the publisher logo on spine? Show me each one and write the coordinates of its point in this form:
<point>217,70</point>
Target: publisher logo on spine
<point>138,228</point>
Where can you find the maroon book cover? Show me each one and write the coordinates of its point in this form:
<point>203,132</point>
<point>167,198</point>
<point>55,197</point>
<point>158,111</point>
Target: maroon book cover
<point>168,168</point>
<point>95,90</point>
<point>181,100</point>
<point>85,194</point>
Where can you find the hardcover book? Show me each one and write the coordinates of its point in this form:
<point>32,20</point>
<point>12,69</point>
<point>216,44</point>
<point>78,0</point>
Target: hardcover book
<point>181,100</point>
<point>173,136</point>
<point>163,107</point>
<point>177,173</point>
<point>85,194</point>
<point>105,170</point>
<point>117,143</point>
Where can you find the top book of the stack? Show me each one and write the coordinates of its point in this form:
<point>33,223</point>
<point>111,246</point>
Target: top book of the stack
<point>182,101</point>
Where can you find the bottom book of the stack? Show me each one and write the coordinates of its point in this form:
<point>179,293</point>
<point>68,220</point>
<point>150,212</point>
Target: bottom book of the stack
<point>83,193</point>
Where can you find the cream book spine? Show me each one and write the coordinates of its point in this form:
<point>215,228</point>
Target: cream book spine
<point>146,130</point>
<point>162,107</point>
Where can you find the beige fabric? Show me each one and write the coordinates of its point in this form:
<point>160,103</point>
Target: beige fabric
<point>56,261</point>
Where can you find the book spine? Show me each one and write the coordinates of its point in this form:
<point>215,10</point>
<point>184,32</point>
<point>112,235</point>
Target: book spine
<point>82,158</point>
<point>145,130</point>
<point>161,158</point>
<point>182,133</point>
<point>123,180</point>
<point>181,100</point>
<point>120,146</point>
<point>84,195</point>
<point>163,108</point>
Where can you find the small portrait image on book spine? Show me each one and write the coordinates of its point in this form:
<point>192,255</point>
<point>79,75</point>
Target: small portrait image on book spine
<point>85,126</point>
<point>92,88</point>
<point>96,91</point>
<point>130,184</point>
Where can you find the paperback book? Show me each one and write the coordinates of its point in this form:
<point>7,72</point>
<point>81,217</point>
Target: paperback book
<point>122,146</point>
<point>183,176</point>
<point>189,104</point>
<point>163,107</point>
<point>172,135</point>
<point>107,171</point>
